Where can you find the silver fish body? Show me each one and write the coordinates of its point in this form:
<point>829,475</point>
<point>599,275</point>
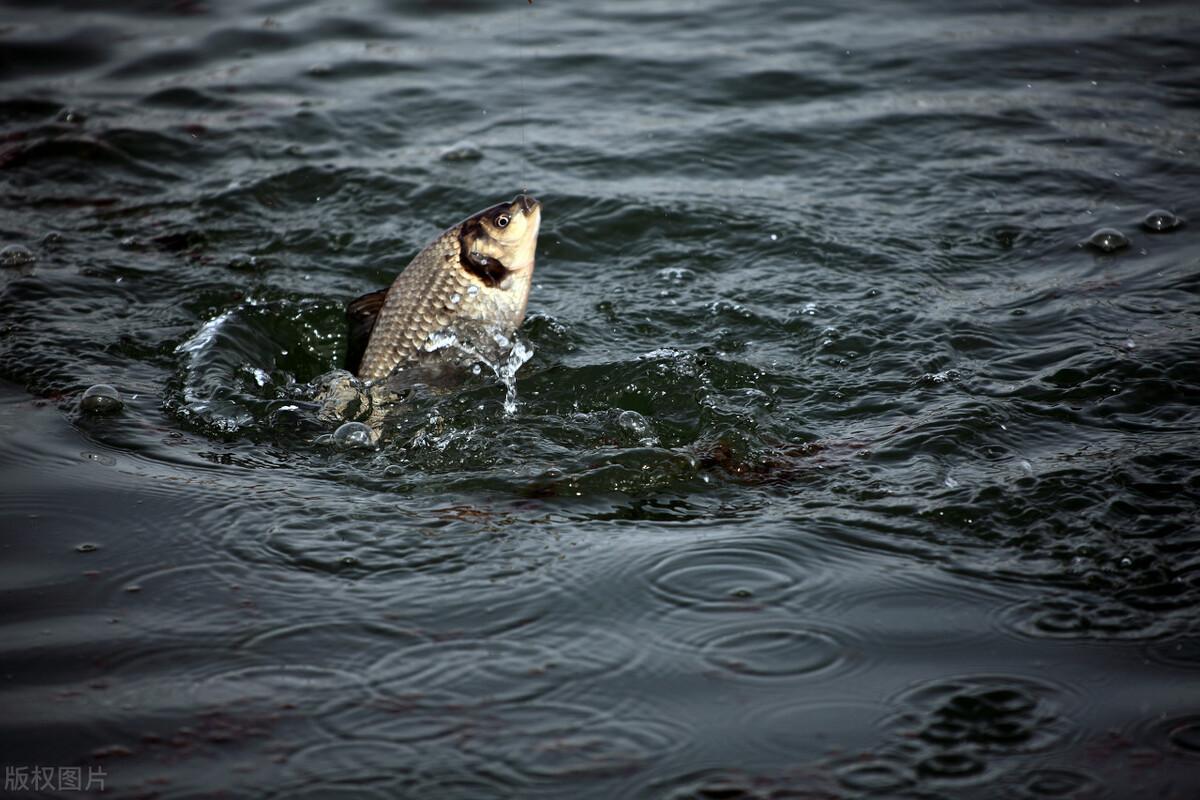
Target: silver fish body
<point>459,300</point>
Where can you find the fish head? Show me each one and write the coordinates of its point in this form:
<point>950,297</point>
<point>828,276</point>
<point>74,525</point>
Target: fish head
<point>501,241</point>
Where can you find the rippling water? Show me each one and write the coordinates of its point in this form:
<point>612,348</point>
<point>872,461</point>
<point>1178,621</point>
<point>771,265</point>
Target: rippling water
<point>854,458</point>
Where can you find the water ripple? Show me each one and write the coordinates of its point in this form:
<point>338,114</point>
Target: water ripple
<point>743,574</point>
<point>765,646</point>
<point>556,743</point>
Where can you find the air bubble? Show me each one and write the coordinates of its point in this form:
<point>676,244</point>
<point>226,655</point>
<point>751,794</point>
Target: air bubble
<point>639,426</point>
<point>472,290</point>
<point>101,399</point>
<point>353,435</point>
<point>633,422</point>
<point>1160,221</point>
<point>455,299</point>
<point>1108,240</point>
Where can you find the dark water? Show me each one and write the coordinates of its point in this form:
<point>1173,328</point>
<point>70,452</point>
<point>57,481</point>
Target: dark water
<point>841,468</point>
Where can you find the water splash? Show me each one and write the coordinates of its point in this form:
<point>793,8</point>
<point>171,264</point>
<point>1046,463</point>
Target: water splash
<point>504,360</point>
<point>202,397</point>
<point>507,373</point>
<point>440,340</point>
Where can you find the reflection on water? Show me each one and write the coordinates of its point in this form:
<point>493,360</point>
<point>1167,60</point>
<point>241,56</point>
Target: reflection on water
<point>849,452</point>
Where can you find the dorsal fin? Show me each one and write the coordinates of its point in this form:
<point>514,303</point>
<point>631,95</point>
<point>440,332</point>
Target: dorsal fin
<point>361,314</point>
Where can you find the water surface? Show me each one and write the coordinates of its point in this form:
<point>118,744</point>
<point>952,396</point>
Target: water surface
<point>844,465</point>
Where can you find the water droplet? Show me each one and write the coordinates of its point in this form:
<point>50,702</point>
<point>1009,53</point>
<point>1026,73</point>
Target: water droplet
<point>72,116</point>
<point>472,290</point>
<point>86,547</point>
<point>774,237</point>
<point>455,299</point>
<point>1160,221</point>
<point>100,399</point>
<point>476,369</point>
<point>352,435</point>
<point>1108,240</point>
<point>14,255</point>
<point>1126,562</point>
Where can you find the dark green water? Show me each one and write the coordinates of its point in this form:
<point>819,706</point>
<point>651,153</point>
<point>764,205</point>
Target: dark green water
<point>841,468</point>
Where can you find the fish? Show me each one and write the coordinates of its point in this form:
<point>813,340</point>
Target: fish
<point>459,301</point>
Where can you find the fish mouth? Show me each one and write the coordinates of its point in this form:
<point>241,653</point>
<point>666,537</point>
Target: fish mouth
<point>526,202</point>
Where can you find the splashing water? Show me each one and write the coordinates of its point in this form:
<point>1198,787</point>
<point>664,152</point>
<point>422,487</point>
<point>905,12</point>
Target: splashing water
<point>511,355</point>
<point>440,340</point>
<point>203,396</point>
<point>507,373</point>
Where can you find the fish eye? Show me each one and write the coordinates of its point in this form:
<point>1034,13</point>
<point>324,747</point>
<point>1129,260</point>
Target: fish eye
<point>502,221</point>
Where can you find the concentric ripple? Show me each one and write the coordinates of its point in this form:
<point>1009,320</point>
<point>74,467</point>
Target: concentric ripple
<point>763,647</point>
<point>774,652</point>
<point>728,575</point>
<point>1082,617</point>
<point>469,672</point>
<point>555,742</point>
<point>1049,783</point>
